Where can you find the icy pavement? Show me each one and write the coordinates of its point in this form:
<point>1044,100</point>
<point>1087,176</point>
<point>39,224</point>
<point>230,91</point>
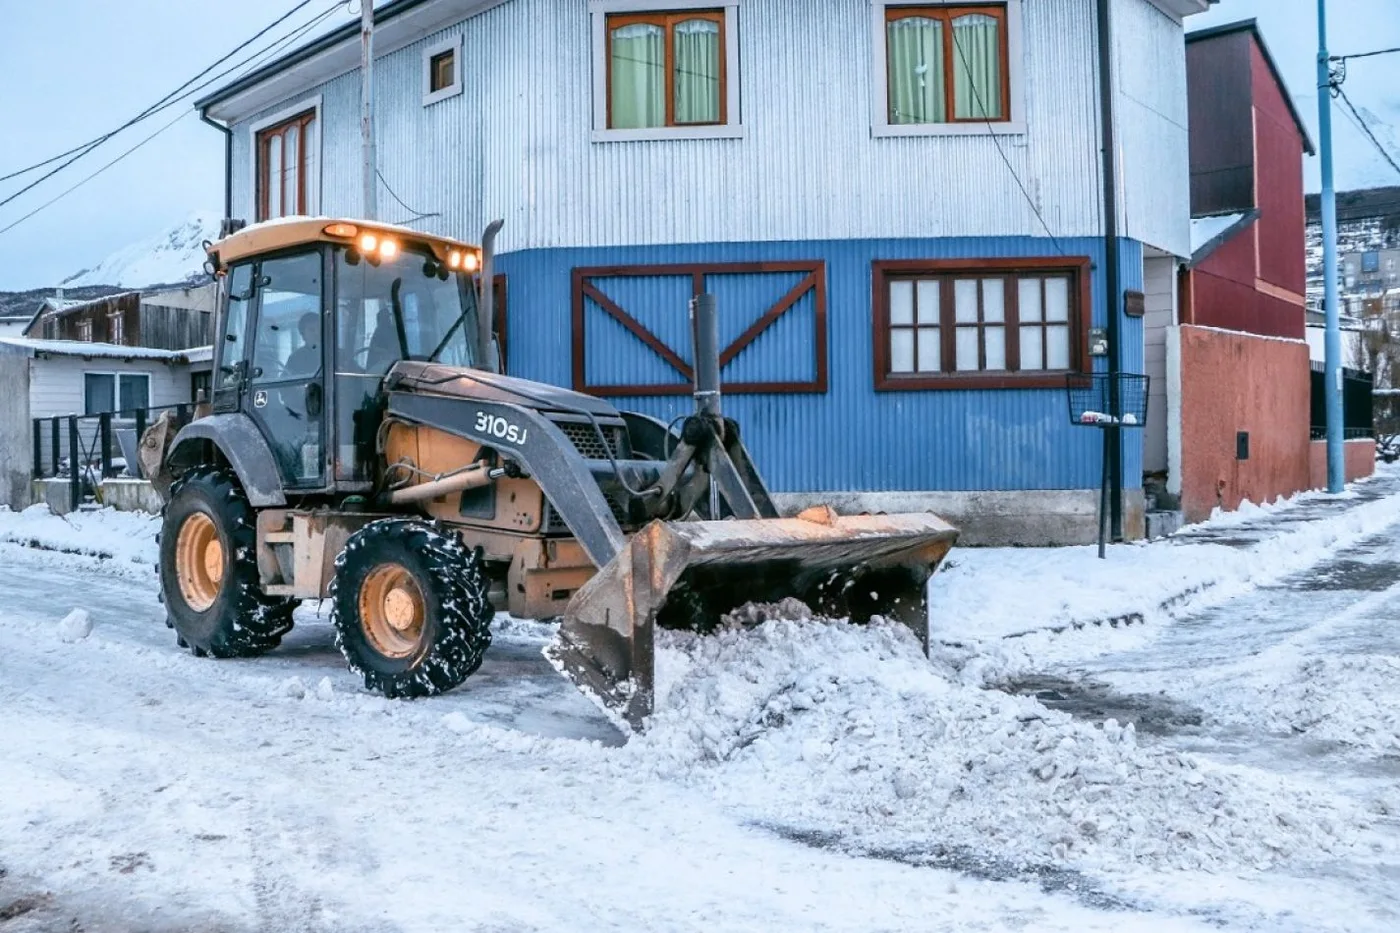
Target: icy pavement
<point>1225,764</point>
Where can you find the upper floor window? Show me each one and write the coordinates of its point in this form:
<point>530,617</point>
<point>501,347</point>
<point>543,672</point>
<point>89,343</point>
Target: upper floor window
<point>665,73</point>
<point>946,67</point>
<point>285,166</point>
<point>442,70</point>
<point>115,331</point>
<point>665,69</point>
<point>956,324</point>
<point>947,64</point>
<point>85,331</point>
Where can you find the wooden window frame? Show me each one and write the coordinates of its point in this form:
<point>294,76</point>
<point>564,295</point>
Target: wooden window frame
<point>813,282</point>
<point>83,330</point>
<point>434,53</point>
<point>668,21</point>
<point>434,64</point>
<point>946,15</point>
<point>115,327</point>
<point>1011,270</point>
<point>262,140</point>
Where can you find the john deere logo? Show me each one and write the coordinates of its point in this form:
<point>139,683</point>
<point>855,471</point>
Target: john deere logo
<point>260,399</point>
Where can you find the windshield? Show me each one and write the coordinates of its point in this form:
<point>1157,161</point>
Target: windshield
<point>408,307</point>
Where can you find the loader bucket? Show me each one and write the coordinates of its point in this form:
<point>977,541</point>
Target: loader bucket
<point>852,566</point>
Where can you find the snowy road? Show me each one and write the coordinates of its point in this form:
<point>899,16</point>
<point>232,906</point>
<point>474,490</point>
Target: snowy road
<point>144,789</point>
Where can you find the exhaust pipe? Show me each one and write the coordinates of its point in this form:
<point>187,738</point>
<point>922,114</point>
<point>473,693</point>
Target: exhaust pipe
<point>486,301</point>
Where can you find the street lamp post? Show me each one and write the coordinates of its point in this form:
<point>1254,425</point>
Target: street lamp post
<point>1332,352</point>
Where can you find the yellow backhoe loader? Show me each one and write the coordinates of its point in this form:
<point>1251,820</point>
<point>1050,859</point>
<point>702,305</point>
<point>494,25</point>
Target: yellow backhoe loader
<point>360,443</point>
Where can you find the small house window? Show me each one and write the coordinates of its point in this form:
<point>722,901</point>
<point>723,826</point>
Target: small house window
<point>114,328</point>
<point>947,64</point>
<point>85,331</point>
<point>115,392</point>
<point>1013,323</point>
<point>285,167</point>
<point>666,69</point>
<point>442,70</point>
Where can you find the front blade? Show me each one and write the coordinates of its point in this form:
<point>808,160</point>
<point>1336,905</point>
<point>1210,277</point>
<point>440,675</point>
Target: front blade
<point>853,566</point>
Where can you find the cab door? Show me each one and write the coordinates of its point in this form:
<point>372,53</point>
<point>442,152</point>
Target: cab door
<point>286,366</point>
<point>230,375</point>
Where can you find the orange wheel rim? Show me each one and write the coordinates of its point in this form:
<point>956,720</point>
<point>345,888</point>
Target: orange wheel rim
<point>199,561</point>
<point>392,611</point>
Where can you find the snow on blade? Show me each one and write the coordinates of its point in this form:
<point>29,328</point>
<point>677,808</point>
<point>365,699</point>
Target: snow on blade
<point>838,728</point>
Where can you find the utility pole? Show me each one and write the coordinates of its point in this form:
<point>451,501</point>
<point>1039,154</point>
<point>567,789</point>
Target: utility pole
<point>1332,353</point>
<point>1113,437</point>
<point>370,208</point>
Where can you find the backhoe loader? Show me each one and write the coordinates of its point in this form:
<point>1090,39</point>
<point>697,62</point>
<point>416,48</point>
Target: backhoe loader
<point>361,443</point>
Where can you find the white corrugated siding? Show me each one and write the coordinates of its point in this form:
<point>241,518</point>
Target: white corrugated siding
<point>517,143</point>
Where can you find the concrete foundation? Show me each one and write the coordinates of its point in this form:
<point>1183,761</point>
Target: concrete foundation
<point>124,495</point>
<point>1027,518</point>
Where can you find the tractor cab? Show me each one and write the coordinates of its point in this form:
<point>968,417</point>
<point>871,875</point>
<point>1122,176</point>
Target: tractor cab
<point>315,313</point>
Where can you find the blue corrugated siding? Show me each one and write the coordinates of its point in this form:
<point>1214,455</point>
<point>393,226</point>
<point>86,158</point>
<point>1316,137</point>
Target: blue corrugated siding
<point>851,438</point>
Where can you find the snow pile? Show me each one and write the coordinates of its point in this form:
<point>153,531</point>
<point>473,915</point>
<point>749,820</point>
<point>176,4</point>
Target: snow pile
<point>991,593</point>
<point>832,728</point>
<point>75,626</point>
<point>124,537</point>
<point>1347,698</point>
<point>176,255</point>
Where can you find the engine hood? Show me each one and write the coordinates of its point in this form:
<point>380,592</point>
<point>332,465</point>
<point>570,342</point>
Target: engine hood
<point>458,382</point>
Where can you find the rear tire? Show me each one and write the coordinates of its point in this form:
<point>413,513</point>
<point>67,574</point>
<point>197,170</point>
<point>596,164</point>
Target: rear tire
<point>208,578</point>
<point>410,607</point>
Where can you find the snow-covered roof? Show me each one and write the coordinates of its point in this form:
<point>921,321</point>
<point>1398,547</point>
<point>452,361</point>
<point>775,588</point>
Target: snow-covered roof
<point>199,354</point>
<point>1208,233</point>
<point>86,350</point>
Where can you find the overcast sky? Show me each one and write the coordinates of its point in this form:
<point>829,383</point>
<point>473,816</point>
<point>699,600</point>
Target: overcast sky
<point>71,70</point>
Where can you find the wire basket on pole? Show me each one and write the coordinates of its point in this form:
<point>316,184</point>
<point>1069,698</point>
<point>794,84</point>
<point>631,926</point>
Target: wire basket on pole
<point>1107,401</point>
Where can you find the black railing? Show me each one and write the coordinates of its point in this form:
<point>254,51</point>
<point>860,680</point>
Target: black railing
<point>98,443</point>
<point>1358,418</point>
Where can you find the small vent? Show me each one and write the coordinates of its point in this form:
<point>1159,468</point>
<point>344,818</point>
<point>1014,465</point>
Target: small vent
<point>554,523</point>
<point>587,442</point>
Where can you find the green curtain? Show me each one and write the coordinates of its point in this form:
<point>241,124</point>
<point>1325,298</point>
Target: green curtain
<point>976,68</point>
<point>638,77</point>
<point>697,71</point>
<point>916,70</point>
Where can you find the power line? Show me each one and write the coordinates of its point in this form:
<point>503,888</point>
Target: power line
<point>417,215</point>
<point>1342,58</point>
<point>79,151</point>
<point>1361,124</point>
<point>255,59</point>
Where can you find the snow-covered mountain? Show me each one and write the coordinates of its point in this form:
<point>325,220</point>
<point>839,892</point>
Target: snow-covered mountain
<point>175,256</point>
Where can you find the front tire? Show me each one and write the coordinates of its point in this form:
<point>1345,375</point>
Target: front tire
<point>208,578</point>
<point>410,607</point>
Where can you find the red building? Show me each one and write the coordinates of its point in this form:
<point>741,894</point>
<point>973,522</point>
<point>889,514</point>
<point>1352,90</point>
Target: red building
<point>1236,361</point>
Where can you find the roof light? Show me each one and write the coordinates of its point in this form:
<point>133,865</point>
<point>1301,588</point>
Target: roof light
<point>454,260</point>
<point>471,262</point>
<point>388,249</point>
<point>368,242</point>
<point>345,230</point>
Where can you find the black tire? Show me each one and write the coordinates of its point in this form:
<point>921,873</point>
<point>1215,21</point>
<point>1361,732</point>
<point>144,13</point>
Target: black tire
<point>242,621</point>
<point>455,628</point>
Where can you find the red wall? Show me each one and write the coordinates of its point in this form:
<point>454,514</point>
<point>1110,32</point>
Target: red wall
<point>1237,382</point>
<point>1278,156</point>
<point>1360,460</point>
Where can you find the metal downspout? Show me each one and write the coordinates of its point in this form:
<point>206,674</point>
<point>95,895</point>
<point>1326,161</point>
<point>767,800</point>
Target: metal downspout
<point>228,162</point>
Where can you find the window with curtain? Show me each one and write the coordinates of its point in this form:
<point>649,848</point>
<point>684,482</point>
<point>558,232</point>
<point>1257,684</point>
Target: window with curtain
<point>1016,323</point>
<point>947,64</point>
<point>284,167</point>
<point>666,69</point>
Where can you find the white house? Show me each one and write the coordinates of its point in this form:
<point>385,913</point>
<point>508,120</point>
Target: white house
<point>899,207</point>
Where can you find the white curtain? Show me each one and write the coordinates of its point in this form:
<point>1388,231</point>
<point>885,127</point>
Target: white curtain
<point>915,54</point>
<point>976,68</point>
<point>697,71</point>
<point>638,77</point>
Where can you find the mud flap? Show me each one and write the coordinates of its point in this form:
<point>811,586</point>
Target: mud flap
<point>852,566</point>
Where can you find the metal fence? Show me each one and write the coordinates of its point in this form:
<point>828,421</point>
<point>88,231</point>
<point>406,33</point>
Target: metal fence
<point>106,445</point>
<point>1358,416</point>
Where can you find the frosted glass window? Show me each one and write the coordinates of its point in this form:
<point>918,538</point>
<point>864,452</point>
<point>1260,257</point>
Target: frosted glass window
<point>902,351</point>
<point>1032,355</point>
<point>1029,300</point>
<point>930,350</point>
<point>1057,299</point>
<point>993,301</point>
<point>1057,347</point>
<point>994,340</point>
<point>902,302</point>
<point>967,349</point>
<point>965,301</point>
<point>930,299</point>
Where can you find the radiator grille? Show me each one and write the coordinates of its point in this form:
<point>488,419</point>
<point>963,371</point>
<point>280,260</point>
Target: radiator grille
<point>587,442</point>
<point>554,523</point>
